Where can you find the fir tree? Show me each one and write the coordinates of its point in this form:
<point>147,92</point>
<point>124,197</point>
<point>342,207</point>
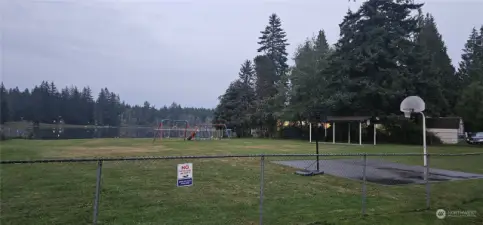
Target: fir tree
<point>471,65</point>
<point>372,69</point>
<point>273,43</point>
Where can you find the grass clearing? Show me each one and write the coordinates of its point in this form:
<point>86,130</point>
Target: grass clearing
<point>225,191</point>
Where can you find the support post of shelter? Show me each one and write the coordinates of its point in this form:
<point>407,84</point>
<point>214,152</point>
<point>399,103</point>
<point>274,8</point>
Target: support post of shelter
<point>375,134</point>
<point>360,133</point>
<point>333,133</point>
<point>349,134</point>
<point>331,120</point>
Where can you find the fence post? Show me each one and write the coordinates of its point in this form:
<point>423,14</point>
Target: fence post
<point>428,186</point>
<point>98,191</point>
<point>262,170</point>
<point>364,184</point>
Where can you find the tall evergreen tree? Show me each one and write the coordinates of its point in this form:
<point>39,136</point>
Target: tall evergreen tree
<point>75,105</point>
<point>322,49</point>
<point>265,77</point>
<point>54,102</point>
<point>114,109</point>
<point>100,108</point>
<point>247,73</point>
<point>470,103</point>
<point>247,95</point>
<point>87,106</point>
<point>4,110</point>
<point>441,88</point>
<point>301,80</point>
<point>471,65</point>
<point>237,105</point>
<point>265,90</point>
<point>230,110</point>
<point>273,43</point>
<point>371,70</point>
<point>308,76</point>
<point>15,104</point>
<point>470,107</point>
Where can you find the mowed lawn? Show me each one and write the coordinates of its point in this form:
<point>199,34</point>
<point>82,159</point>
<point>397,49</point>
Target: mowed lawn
<point>225,191</point>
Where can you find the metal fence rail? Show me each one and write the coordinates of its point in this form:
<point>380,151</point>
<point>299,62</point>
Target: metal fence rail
<point>60,160</point>
<point>363,157</point>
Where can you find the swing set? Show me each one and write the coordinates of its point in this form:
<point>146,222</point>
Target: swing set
<point>180,129</point>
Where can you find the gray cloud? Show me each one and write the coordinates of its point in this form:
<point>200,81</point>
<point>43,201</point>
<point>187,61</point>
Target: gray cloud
<point>164,51</point>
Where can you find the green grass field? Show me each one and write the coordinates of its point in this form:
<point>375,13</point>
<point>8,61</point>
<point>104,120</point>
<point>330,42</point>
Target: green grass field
<point>225,191</point>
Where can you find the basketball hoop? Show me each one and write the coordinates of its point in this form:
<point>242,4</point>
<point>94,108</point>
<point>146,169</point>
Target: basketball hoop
<point>407,113</point>
<point>414,104</point>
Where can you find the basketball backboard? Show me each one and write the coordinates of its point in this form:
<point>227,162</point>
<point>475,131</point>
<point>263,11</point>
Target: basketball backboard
<point>412,104</point>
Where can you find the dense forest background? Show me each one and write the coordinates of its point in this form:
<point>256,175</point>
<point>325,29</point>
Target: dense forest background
<point>45,103</point>
<point>387,50</point>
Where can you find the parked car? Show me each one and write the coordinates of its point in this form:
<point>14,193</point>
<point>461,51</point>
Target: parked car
<point>475,138</point>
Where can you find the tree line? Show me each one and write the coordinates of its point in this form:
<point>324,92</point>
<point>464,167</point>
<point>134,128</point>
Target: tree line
<point>45,103</point>
<point>387,50</point>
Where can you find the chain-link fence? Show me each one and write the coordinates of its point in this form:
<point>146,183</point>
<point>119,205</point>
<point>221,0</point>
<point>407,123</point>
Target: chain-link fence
<point>114,132</point>
<point>59,132</point>
<point>238,189</point>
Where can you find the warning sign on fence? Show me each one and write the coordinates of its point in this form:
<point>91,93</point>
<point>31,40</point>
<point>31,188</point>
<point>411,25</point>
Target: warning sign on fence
<point>185,174</point>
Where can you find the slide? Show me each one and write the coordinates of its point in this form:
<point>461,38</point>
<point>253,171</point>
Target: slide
<point>192,136</point>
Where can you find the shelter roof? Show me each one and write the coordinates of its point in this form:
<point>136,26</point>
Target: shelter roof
<point>348,118</point>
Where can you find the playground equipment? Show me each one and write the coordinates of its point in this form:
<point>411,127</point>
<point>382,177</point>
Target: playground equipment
<point>171,129</point>
<point>180,129</point>
<point>211,131</point>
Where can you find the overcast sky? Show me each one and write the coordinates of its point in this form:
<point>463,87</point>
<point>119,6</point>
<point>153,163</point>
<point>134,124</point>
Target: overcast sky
<point>164,51</point>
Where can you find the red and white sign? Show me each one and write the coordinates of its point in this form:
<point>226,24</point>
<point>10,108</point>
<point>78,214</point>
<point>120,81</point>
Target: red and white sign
<point>185,174</point>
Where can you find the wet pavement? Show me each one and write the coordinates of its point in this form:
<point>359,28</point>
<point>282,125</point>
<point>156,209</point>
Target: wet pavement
<point>379,171</point>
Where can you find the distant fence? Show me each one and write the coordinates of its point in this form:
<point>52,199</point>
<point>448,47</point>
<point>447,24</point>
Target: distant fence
<point>79,132</point>
<point>239,187</point>
<point>434,137</point>
<point>107,132</point>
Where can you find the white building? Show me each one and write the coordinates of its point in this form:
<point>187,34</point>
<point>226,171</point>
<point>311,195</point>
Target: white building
<point>447,129</point>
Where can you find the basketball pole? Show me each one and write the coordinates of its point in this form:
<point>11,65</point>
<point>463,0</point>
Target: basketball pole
<point>317,145</point>
<point>414,104</point>
<point>424,140</point>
